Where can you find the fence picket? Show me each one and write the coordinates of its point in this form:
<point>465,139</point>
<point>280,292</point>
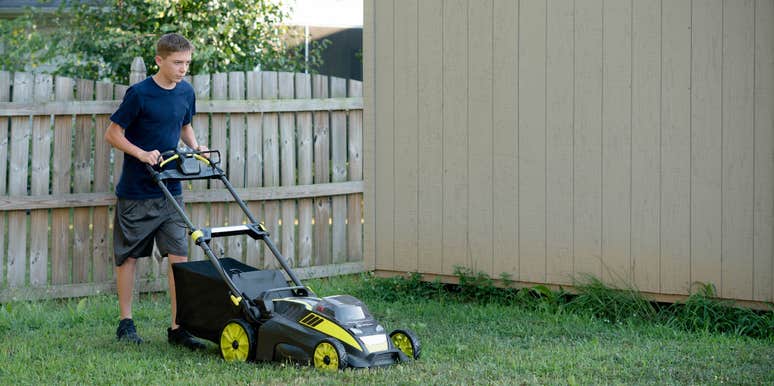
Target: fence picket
<point>271,164</point>
<point>41,153</point>
<point>201,126</point>
<point>287,127</point>
<point>81,184</point>
<point>254,164</point>
<point>60,184</point>
<point>355,158</point>
<point>101,252</point>
<point>236,161</point>
<point>339,171</point>
<point>17,181</point>
<point>5,96</point>
<point>219,141</point>
<point>322,205</point>
<point>305,158</point>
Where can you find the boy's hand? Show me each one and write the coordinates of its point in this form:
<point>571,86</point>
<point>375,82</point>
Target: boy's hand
<point>202,148</point>
<point>152,157</point>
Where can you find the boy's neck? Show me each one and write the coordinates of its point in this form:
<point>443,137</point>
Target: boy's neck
<point>164,83</point>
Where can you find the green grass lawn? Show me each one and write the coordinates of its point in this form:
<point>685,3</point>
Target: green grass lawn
<point>73,342</point>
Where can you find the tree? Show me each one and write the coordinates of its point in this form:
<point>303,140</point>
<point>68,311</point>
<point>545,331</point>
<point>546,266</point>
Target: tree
<point>98,39</point>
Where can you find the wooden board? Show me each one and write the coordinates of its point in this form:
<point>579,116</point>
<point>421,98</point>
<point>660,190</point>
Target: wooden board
<point>60,184</point>
<point>5,96</point>
<point>254,164</point>
<point>40,180</point>
<point>322,162</point>
<point>339,174</point>
<point>287,165</point>
<point>84,128</point>
<point>271,169</point>
<point>355,172</point>
<point>236,161</point>
<point>305,140</point>
<point>101,248</point>
<point>18,170</point>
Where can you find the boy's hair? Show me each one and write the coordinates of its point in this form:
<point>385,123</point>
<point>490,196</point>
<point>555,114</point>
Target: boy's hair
<point>172,42</point>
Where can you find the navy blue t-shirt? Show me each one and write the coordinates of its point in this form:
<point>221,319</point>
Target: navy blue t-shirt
<point>151,118</point>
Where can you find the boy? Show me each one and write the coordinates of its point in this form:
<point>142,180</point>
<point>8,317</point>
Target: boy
<point>154,116</point>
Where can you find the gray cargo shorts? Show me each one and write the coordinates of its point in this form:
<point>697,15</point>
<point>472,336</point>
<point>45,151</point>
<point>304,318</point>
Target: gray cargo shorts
<point>139,222</point>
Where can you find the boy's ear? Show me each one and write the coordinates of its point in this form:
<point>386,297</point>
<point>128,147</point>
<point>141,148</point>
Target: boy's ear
<point>157,59</point>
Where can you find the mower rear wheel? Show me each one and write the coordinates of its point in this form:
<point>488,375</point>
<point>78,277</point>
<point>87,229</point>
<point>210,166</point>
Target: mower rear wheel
<point>330,354</point>
<point>407,342</point>
<point>237,341</point>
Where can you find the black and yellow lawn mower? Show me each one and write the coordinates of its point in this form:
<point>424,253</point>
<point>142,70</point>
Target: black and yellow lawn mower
<point>254,314</point>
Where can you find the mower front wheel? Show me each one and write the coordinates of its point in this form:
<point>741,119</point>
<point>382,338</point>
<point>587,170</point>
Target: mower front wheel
<point>237,341</point>
<point>407,342</point>
<point>330,354</point>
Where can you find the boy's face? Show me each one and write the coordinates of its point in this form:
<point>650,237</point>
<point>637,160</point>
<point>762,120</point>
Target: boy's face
<point>174,67</point>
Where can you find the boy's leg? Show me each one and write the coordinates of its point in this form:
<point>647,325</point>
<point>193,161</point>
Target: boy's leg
<point>125,286</point>
<point>171,279</point>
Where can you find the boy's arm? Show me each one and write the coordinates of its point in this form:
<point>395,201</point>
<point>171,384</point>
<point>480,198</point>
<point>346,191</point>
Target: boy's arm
<point>189,138</point>
<point>114,135</point>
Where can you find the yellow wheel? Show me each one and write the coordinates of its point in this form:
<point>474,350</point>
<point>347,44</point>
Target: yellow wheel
<point>407,342</point>
<point>237,341</point>
<point>330,354</point>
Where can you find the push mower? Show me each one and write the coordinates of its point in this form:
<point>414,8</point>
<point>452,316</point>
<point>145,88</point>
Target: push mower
<point>254,315</point>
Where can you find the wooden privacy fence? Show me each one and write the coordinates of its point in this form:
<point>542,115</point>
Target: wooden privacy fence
<point>290,143</point>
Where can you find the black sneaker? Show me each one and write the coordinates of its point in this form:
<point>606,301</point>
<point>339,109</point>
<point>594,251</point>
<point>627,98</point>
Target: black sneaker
<point>127,332</point>
<point>181,337</point>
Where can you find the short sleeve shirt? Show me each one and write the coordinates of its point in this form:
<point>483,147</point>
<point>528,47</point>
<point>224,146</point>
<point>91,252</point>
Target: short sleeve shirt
<point>151,117</point>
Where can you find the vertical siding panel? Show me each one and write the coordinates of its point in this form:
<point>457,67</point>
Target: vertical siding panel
<point>764,151</point>
<point>532,140</point>
<point>287,126</point>
<point>383,176</point>
<point>82,184</point>
<point>616,143</point>
<point>60,184</point>
<point>236,161</point>
<point>738,146</point>
<point>370,107</point>
<point>646,109</point>
<point>339,173</point>
<point>201,124</point>
<point>5,96</point>
<point>559,138</point>
<point>271,166</point>
<point>480,210</point>
<point>305,156</point>
<point>675,147</point>
<point>505,67</point>
<point>405,152</point>
<point>100,234</point>
<point>455,135</point>
<point>254,164</point>
<point>18,171</point>
<point>41,162</point>
<point>430,126</point>
<point>355,170</point>
<point>322,174</point>
<point>587,160</point>
<point>706,134</point>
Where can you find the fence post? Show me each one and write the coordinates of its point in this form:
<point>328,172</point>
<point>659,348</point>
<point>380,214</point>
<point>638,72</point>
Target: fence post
<point>138,71</point>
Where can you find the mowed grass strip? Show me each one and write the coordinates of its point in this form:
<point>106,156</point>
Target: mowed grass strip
<point>73,342</point>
